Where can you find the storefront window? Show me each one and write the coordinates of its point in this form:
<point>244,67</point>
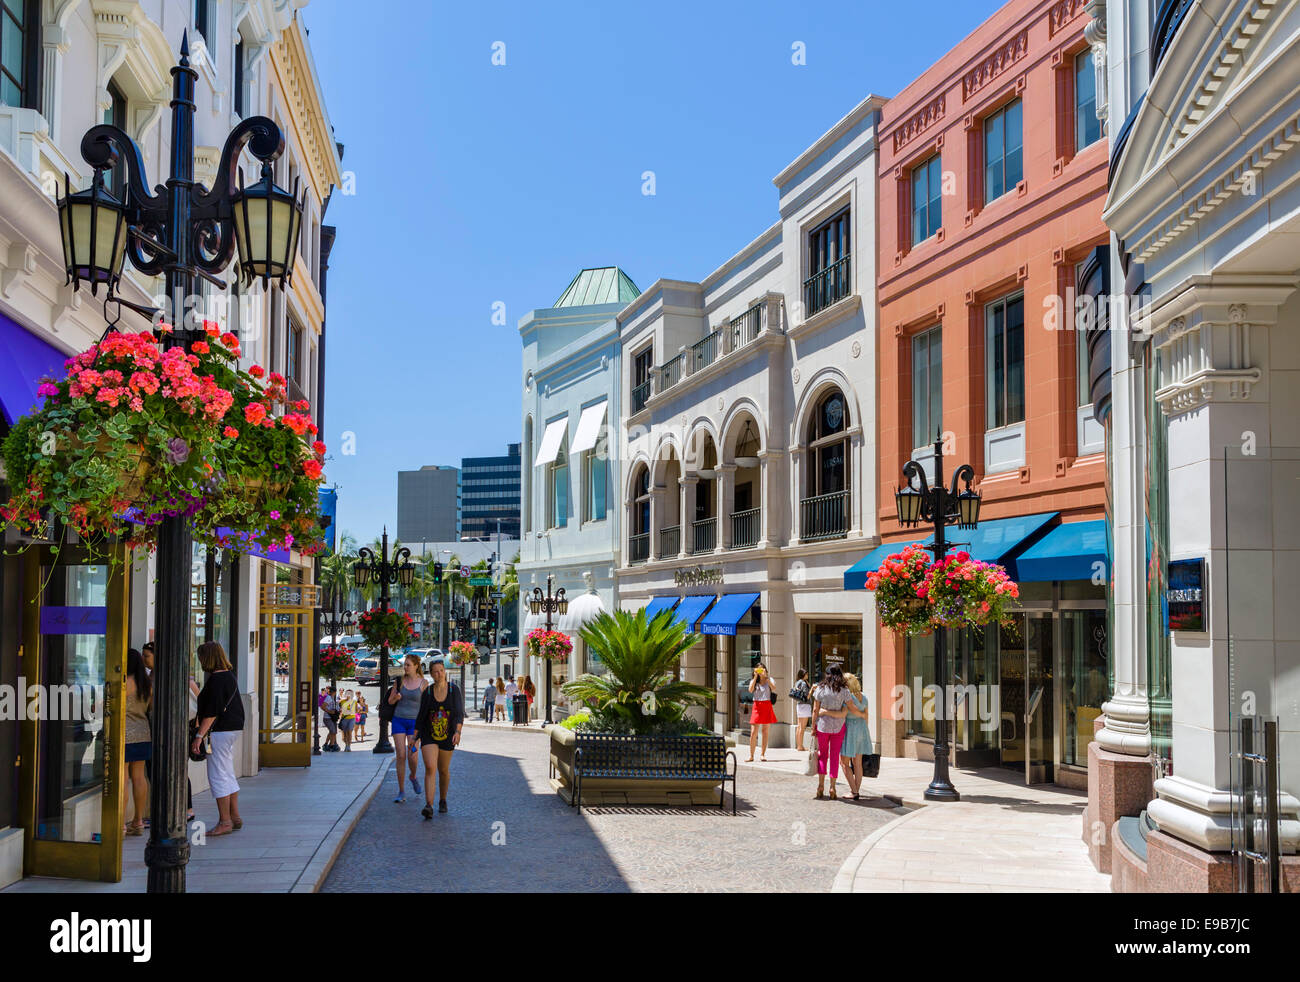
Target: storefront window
<point>748,652</point>
<point>1084,664</point>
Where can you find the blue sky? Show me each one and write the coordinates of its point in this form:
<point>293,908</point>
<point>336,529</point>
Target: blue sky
<point>479,183</point>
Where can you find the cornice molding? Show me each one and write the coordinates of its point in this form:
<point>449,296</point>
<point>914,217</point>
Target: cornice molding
<point>995,64</point>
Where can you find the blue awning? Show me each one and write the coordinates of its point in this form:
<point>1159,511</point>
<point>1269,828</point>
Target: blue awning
<point>998,540</point>
<point>25,359</point>
<point>658,605</point>
<point>1067,552</point>
<point>727,612</point>
<point>690,609</point>
<point>855,577</point>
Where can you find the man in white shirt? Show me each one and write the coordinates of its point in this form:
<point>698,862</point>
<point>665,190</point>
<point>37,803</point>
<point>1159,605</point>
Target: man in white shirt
<point>512,687</point>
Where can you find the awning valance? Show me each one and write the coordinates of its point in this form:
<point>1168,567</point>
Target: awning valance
<point>589,424</point>
<point>658,605</point>
<point>727,613</point>
<point>690,609</point>
<point>551,441</point>
<point>1076,551</point>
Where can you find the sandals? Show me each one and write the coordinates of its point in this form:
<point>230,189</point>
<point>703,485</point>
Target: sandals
<point>133,830</point>
<point>819,795</point>
<point>832,795</point>
<point>218,830</point>
<point>236,826</point>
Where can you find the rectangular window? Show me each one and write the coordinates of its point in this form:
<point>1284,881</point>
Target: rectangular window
<point>1003,144</point>
<point>1004,349</point>
<point>829,255</point>
<point>1087,127</point>
<point>294,354</point>
<point>595,469</point>
<point>642,365</point>
<point>241,97</point>
<point>203,19</point>
<point>560,490</point>
<point>115,115</point>
<point>927,199</point>
<point>1081,352</point>
<point>18,38</point>
<point>927,386</point>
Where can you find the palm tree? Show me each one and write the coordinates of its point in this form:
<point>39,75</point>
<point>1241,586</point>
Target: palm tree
<point>640,686</point>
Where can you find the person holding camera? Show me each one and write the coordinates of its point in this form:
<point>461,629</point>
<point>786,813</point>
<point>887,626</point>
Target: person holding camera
<point>762,715</point>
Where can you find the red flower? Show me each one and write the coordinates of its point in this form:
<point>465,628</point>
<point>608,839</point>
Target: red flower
<point>230,432</point>
<point>255,412</point>
<point>211,329</point>
<point>201,347</point>
<point>257,371</point>
<point>318,448</point>
<point>312,469</point>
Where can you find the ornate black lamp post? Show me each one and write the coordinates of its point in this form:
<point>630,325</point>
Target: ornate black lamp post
<point>379,569</point>
<point>334,624</point>
<point>183,231</point>
<point>942,507</point>
<point>548,604</point>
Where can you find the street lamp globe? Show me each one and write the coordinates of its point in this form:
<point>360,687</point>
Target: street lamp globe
<point>968,509</point>
<point>909,505</point>
<point>93,227</point>
<point>268,220</point>
<point>406,574</point>
<point>361,574</point>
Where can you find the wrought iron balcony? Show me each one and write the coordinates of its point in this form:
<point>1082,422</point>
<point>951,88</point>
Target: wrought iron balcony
<point>638,550</point>
<point>671,371</point>
<point>704,535</point>
<point>825,516</point>
<point>705,351</point>
<point>640,395</point>
<point>746,327</point>
<point>828,286</point>
<point>744,528</point>
<point>670,541</point>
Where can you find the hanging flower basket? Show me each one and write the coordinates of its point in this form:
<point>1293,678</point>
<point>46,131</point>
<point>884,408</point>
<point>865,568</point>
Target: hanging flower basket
<point>337,663</point>
<point>552,645</point>
<point>462,653</point>
<point>914,595</point>
<point>382,628</point>
<point>900,588</point>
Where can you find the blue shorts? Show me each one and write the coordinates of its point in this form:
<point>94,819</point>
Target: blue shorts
<point>401,725</point>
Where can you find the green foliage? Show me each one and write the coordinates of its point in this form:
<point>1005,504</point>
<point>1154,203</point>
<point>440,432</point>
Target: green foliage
<point>18,451</point>
<point>639,689</point>
<point>576,720</point>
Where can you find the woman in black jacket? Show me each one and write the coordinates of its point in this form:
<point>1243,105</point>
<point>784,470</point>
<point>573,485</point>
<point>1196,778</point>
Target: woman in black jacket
<point>442,713</point>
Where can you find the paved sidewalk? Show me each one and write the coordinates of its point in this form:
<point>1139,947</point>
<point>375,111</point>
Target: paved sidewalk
<point>296,820</point>
<point>1002,837</point>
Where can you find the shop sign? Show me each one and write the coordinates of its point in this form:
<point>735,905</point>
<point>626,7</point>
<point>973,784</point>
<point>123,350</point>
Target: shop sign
<point>1186,595</point>
<point>74,620</point>
<point>698,576</point>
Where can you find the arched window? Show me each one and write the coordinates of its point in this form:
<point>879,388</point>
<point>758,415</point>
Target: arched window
<point>639,519</point>
<point>527,468</point>
<point>828,446</point>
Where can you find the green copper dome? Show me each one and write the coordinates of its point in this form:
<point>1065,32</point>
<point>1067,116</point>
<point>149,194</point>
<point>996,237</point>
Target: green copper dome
<point>608,284</point>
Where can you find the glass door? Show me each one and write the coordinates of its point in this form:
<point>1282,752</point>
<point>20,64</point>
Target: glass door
<point>1040,699</point>
<point>73,659</point>
<point>1083,680</point>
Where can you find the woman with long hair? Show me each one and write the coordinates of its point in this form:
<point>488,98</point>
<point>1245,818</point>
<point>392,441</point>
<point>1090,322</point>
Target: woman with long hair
<point>139,740</point>
<point>442,713</point>
<point>761,716</point>
<point>500,714</point>
<point>857,738</point>
<point>802,695</point>
<point>530,690</point>
<point>405,695</point>
<point>221,717</point>
<point>829,699</point>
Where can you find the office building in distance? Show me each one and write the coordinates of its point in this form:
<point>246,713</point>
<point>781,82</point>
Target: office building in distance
<point>490,492</point>
<point>428,504</point>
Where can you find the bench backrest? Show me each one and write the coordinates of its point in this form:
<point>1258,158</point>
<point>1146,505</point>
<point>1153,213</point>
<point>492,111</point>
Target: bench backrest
<point>652,757</point>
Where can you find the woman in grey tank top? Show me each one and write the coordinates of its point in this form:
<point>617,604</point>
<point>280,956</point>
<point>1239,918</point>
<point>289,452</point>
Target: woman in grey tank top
<point>405,697</point>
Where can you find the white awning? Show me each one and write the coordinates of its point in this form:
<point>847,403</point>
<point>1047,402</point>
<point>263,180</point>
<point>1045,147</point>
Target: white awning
<point>551,441</point>
<point>589,427</point>
<point>581,612</point>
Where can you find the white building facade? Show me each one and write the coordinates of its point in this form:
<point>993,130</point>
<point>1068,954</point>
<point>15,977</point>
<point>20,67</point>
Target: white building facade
<point>749,419</point>
<point>1204,433</point>
<point>570,521</point>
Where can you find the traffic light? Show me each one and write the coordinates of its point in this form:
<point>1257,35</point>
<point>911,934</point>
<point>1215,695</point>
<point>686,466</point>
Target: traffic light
<point>437,572</point>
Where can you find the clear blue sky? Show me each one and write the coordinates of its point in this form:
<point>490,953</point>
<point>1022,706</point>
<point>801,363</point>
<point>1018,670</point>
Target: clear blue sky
<point>478,183</point>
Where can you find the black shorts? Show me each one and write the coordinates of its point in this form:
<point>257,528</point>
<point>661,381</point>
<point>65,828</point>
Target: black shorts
<point>426,740</point>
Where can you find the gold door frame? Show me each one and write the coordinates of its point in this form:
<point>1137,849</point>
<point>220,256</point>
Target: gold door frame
<point>284,714</point>
<point>80,860</point>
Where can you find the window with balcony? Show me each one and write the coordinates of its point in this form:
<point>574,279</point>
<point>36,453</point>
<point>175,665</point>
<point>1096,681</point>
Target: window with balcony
<point>642,373</point>
<point>927,199</point>
<point>825,507</point>
<point>19,52</point>
<point>927,386</point>
<point>1087,127</point>
<point>829,256</point>
<point>639,524</point>
<point>1003,151</point>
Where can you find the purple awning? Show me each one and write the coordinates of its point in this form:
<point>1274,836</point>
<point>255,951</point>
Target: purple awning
<point>24,360</point>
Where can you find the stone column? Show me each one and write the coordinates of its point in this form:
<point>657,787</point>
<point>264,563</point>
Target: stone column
<point>796,494</point>
<point>54,45</point>
<point>857,493</point>
<point>726,505</point>
<point>686,519</point>
<point>767,529</point>
<point>656,520</point>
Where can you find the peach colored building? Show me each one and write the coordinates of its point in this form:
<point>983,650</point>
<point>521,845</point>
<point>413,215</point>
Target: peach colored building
<point>992,180</point>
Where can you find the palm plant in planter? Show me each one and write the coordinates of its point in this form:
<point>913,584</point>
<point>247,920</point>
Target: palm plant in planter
<point>639,690</point>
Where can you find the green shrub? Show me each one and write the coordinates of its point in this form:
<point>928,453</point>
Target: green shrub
<point>576,720</point>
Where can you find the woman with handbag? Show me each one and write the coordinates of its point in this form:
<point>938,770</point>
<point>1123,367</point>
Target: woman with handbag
<point>220,718</point>
<point>829,700</point>
<point>139,741</point>
<point>404,700</point>
<point>762,715</point>
<point>802,696</point>
<point>857,738</point>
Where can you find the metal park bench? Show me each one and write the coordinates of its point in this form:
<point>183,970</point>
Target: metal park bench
<point>668,760</point>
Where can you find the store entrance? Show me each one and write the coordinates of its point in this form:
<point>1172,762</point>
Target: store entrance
<point>1028,696</point>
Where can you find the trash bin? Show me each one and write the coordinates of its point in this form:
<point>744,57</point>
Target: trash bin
<point>521,709</point>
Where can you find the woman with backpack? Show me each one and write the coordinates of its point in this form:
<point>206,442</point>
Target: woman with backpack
<point>802,696</point>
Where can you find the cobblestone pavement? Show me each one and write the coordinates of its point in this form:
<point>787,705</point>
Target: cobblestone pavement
<point>781,840</point>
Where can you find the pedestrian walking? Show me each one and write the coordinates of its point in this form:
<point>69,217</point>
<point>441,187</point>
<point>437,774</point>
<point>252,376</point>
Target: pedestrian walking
<point>802,696</point>
<point>530,690</point>
<point>512,689</point>
<point>139,740</point>
<point>442,713</point>
<point>347,718</point>
<point>489,700</point>
<point>762,715</point>
<point>363,710</point>
<point>829,712</point>
<point>330,709</point>
<point>500,713</point>
<point>405,696</point>
<point>221,718</point>
<point>857,737</point>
